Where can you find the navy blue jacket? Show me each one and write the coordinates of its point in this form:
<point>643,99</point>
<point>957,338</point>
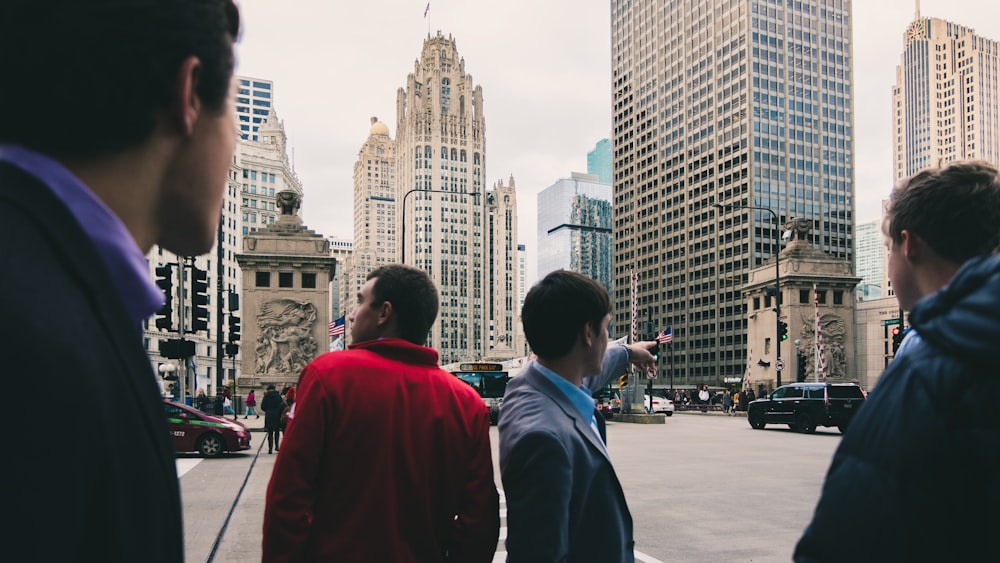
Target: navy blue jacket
<point>101,486</point>
<point>917,476</point>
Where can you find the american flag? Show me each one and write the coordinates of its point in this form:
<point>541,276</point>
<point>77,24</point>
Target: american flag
<point>665,337</point>
<point>337,327</point>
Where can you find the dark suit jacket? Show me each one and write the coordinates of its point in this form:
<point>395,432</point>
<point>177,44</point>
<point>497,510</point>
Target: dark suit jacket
<point>89,473</point>
<point>564,501</point>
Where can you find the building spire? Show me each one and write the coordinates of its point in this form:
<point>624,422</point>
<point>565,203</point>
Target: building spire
<point>916,16</point>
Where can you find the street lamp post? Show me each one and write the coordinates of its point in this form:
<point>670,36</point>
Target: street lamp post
<point>402,222</point>
<point>777,280</point>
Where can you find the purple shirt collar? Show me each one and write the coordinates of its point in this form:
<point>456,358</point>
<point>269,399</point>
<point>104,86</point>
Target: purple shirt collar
<point>119,252</point>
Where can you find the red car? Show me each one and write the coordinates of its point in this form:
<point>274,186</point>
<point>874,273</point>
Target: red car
<point>194,431</point>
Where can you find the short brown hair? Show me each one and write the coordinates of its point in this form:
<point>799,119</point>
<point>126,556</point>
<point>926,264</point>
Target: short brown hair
<point>413,295</point>
<point>557,307</point>
<point>955,209</point>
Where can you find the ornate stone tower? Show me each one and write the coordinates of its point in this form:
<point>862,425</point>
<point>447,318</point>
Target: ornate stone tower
<point>802,267</point>
<point>287,270</point>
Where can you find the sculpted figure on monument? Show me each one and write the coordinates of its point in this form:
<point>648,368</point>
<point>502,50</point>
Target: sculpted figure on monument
<point>285,343</point>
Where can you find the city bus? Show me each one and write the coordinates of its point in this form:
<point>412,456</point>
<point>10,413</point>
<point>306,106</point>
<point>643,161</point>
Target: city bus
<point>488,379</point>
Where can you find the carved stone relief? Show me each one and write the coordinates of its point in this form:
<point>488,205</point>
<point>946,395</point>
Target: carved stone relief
<point>285,343</point>
<point>834,332</point>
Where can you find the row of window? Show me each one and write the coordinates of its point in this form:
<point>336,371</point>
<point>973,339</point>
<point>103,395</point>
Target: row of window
<point>286,280</point>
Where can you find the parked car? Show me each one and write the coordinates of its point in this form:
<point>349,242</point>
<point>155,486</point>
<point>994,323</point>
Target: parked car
<point>660,404</point>
<point>194,431</point>
<point>804,406</point>
<point>607,401</point>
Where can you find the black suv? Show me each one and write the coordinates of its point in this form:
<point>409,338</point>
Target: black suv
<point>803,406</point>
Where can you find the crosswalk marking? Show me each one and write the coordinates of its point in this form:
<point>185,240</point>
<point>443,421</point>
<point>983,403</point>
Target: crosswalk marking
<point>185,464</point>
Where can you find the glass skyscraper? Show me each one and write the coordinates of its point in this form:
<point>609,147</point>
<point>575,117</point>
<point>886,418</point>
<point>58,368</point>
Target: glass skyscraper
<point>732,102</point>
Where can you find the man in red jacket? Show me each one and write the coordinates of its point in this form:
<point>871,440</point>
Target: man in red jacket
<point>388,456</point>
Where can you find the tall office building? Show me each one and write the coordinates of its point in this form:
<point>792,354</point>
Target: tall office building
<point>341,301</point>
<point>732,102</point>
<point>599,161</point>
<point>946,100</point>
<point>374,207</point>
<point>444,229</point>
<point>253,102</point>
<point>574,228</point>
<point>870,260</point>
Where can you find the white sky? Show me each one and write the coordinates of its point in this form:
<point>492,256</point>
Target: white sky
<point>544,66</point>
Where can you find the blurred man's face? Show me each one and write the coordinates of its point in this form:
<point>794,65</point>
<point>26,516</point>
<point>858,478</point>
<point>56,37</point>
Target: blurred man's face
<point>900,272</point>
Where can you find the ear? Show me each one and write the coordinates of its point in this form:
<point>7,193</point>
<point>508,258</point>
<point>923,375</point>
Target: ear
<point>586,335</point>
<point>385,312</point>
<point>911,246</point>
<point>186,104</point>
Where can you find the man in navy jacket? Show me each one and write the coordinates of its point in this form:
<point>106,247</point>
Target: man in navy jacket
<point>119,136</point>
<point>918,474</point>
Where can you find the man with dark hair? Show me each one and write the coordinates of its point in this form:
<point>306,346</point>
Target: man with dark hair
<point>931,420</point>
<point>387,457</point>
<point>935,221</point>
<point>119,136</point>
<point>564,501</point>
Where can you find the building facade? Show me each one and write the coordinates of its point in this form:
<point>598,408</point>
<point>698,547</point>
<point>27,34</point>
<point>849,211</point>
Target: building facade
<point>574,228</point>
<point>254,99</point>
<point>599,161</point>
<point>869,260</point>
<point>946,100</point>
<point>266,171</point>
<point>421,199</point>
<point>737,103</point>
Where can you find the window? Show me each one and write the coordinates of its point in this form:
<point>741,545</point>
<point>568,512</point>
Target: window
<point>804,296</point>
<point>284,279</point>
<point>263,279</point>
<point>838,297</point>
<point>308,280</point>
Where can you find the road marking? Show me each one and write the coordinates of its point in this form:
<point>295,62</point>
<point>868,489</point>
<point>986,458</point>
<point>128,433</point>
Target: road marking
<point>501,553</point>
<point>185,464</point>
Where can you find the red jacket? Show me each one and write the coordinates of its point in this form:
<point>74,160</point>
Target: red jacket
<point>387,459</point>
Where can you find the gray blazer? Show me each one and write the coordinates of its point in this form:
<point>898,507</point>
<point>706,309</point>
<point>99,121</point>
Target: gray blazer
<point>564,501</point>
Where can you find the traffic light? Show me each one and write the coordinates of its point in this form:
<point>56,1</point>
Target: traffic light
<point>199,300</point>
<point>897,339</point>
<point>783,330</point>
<point>234,328</point>
<point>165,281</point>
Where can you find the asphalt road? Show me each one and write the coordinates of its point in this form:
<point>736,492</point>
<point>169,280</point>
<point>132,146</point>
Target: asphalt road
<point>701,488</point>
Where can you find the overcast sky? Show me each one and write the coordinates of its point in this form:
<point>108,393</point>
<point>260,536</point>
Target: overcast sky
<point>544,66</point>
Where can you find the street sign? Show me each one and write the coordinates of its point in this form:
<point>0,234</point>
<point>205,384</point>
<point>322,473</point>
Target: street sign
<point>888,322</point>
<point>779,365</point>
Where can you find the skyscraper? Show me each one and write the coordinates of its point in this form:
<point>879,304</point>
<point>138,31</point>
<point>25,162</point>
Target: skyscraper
<point>732,102</point>
<point>599,161</point>
<point>574,228</point>
<point>946,100</point>
<point>455,236</point>
<point>253,102</point>
<point>870,259</point>
<point>374,208</point>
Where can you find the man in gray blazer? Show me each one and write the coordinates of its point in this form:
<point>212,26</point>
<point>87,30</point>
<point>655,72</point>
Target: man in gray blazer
<point>564,501</point>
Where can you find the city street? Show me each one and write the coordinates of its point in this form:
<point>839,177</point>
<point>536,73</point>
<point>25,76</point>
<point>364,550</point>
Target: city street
<point>700,488</point>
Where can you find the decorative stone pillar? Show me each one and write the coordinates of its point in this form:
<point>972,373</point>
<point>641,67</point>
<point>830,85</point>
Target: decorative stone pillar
<point>287,270</point>
<point>801,265</point>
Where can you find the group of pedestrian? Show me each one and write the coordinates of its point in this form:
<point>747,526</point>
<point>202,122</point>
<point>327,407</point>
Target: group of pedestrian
<point>387,457</point>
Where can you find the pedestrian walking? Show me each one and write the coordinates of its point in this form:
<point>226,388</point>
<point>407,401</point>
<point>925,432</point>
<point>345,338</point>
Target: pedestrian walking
<point>272,405</point>
<point>251,403</point>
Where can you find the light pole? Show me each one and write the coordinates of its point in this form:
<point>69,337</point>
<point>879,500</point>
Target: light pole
<point>402,221</point>
<point>777,281</point>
